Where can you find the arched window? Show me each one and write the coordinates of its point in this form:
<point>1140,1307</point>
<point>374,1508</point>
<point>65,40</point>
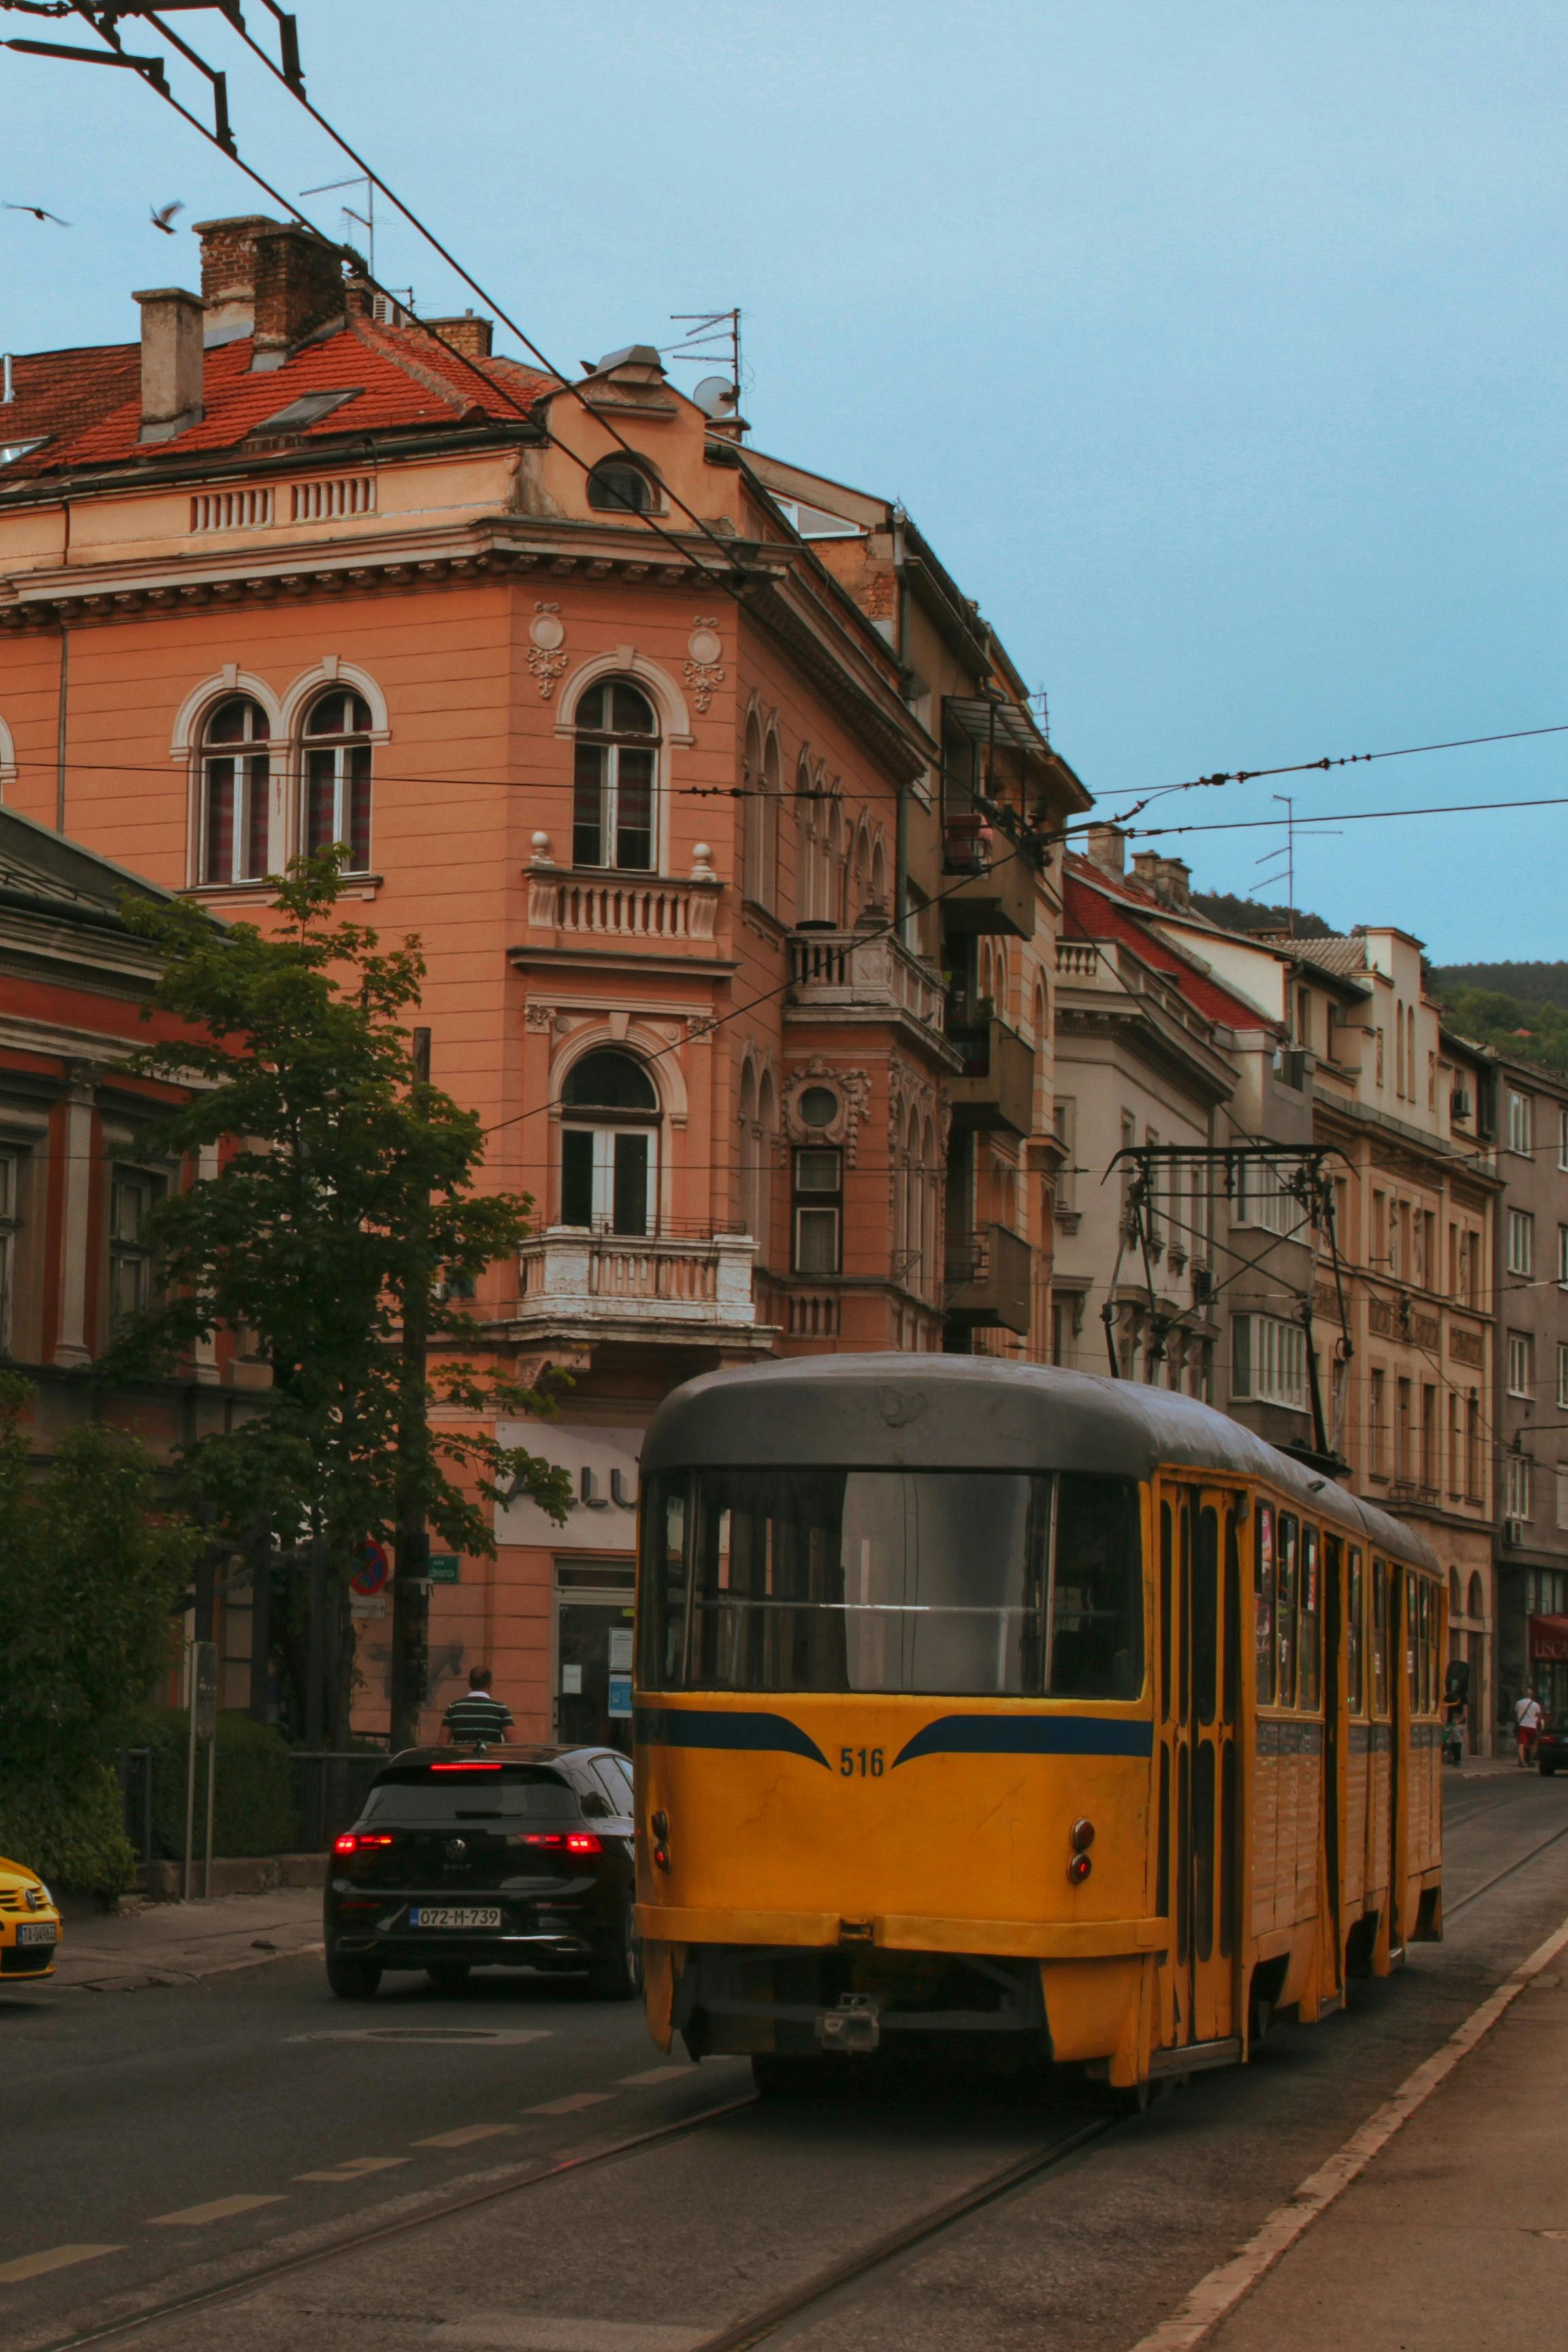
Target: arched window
<point>617,486</point>
<point>1456,1604</point>
<point>615,781</point>
<point>1478,1597</point>
<point>746,1118</point>
<point>338,776</point>
<point>879,875</point>
<point>236,767</point>
<point>767,1126</point>
<point>928,1182</point>
<point>609,1144</point>
<point>752,816</point>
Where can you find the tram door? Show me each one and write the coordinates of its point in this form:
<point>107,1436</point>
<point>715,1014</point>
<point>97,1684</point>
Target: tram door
<point>1202,1603</point>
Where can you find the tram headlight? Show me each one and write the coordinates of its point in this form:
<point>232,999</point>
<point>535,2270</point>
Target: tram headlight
<point>1083,1836</point>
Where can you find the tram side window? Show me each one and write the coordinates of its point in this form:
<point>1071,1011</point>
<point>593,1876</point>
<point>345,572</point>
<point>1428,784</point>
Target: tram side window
<point>1096,1591</point>
<point>1309,1644</point>
<point>1380,1638</point>
<point>662,1630</point>
<point>1412,1640</point>
<point>1354,1633</point>
<point>1263,1603</point>
<point>1285,1574</point>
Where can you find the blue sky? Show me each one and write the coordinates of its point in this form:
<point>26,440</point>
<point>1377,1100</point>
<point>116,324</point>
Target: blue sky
<point>1219,349</point>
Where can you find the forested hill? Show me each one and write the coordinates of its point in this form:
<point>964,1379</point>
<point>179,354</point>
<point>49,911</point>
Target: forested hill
<point>1234,914</point>
<point>1520,1008</point>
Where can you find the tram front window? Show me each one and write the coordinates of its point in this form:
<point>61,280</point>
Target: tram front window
<point>984,1583</point>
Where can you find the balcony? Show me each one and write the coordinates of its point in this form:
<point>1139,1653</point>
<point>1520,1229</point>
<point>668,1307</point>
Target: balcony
<point>576,910</point>
<point>986,884</point>
<point>996,1087</point>
<point>990,1280</point>
<point>630,1286</point>
<point>861,976</point>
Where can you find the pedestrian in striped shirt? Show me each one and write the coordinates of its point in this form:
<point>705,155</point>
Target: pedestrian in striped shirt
<point>475,1716</point>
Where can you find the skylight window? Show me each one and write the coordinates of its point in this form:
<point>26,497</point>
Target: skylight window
<point>11,450</point>
<point>308,410</point>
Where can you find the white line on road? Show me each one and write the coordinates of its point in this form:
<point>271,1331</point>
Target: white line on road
<point>58,2258</point>
<point>196,2217</point>
<point>465,2136</point>
<point>653,2074</point>
<point>1214,2297</point>
<point>570,2105</point>
<point>354,2167</point>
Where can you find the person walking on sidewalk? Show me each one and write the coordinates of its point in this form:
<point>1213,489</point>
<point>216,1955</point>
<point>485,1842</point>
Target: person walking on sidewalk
<point>476,1716</point>
<point>1526,1724</point>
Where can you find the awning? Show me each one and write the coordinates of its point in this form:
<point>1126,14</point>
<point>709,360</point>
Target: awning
<point>985,721</point>
<point>1549,1640</point>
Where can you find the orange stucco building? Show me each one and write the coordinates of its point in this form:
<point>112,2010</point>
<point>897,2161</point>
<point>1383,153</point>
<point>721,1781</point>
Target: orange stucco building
<point>722,819</point>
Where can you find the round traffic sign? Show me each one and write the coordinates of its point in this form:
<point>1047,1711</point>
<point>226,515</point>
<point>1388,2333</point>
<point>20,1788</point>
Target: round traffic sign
<point>372,1572</point>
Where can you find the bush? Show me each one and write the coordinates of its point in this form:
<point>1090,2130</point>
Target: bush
<point>255,1812</point>
<point>70,1831</point>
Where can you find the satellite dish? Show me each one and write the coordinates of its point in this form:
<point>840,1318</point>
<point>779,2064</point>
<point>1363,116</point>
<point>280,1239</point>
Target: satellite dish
<point>715,395</point>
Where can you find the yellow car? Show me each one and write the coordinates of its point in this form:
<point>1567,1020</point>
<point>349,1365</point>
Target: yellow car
<point>29,1924</point>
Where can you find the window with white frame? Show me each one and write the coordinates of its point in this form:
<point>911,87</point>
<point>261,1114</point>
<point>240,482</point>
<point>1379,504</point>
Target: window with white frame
<point>1521,1242</point>
<point>1520,1364</point>
<point>235,769</point>
<point>337,768</point>
<point>1516,1488</point>
<point>1563,1256</point>
<point>818,1206</point>
<point>1269,1361</point>
<point>1562,1137</point>
<point>615,778</point>
<point>1264,1198</point>
<point>609,1145</point>
<point>1562,1481</point>
<point>1521,1122</point>
<point>1562,1376</point>
<point>134,1195</point>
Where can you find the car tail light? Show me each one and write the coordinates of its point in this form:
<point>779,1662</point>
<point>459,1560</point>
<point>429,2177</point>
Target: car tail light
<point>1079,1868</point>
<point>352,1840</point>
<point>469,1764</point>
<point>566,1840</point>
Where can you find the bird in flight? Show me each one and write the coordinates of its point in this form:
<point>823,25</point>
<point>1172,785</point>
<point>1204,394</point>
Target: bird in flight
<point>38,213</point>
<point>162,214</point>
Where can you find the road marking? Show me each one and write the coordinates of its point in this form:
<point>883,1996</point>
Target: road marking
<point>58,2258</point>
<point>653,2074</point>
<point>465,2136</point>
<point>448,2033</point>
<point>1216,2296</point>
<point>354,2167</point>
<point>570,2105</point>
<point>508,2331</point>
<point>196,2217</point>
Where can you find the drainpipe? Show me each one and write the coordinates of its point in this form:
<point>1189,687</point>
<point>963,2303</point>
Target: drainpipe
<point>60,730</point>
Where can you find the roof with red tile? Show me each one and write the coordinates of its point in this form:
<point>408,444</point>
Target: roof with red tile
<point>1097,906</point>
<point>87,403</point>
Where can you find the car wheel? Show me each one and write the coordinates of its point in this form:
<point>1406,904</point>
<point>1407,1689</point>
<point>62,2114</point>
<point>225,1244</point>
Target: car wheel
<point>615,1971</point>
<point>449,1976</point>
<point>351,1979</point>
<point>1548,1772</point>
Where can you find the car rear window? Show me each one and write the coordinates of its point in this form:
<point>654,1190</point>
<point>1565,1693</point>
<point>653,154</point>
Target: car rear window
<point>513,1796</point>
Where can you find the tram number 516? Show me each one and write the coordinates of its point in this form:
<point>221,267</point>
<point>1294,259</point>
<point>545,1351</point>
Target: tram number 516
<point>866,1761</point>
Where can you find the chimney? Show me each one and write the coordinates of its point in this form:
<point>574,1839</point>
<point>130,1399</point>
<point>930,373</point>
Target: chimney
<point>170,361</point>
<point>1106,847</point>
<point>228,273</point>
<point>469,335</point>
<point>1168,879</point>
<point>298,281</point>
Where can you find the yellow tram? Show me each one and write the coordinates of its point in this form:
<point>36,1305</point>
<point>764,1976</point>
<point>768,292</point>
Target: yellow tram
<point>1052,1714</point>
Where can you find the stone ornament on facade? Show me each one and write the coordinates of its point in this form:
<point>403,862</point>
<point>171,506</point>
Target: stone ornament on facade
<point>703,671</point>
<point>545,657</point>
<point>852,1089</point>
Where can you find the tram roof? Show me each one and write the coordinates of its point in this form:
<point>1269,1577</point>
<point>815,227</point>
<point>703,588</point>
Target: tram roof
<point>966,1412</point>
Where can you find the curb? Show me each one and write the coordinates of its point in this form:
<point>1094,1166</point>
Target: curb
<point>149,1975</point>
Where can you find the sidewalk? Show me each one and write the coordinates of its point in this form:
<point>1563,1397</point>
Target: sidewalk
<point>1454,2238</point>
<point>176,1943</point>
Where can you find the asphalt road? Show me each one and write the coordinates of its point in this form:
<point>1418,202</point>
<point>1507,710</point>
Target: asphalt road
<point>194,2134</point>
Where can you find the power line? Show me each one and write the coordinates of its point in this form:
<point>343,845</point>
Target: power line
<point>1354,817</point>
<point>1366,758</point>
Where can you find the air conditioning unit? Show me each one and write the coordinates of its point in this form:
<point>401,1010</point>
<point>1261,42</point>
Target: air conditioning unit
<point>1513,1534</point>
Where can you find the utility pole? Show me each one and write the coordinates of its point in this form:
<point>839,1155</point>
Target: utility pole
<point>411,1586</point>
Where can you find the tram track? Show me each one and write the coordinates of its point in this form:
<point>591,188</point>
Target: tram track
<point>1452,1910</point>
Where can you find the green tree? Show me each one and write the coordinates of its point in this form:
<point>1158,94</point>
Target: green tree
<point>90,1568</point>
<point>341,1215</point>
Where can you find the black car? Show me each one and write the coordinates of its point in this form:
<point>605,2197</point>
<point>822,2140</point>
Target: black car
<point>509,1857</point>
<point>1551,1745</point>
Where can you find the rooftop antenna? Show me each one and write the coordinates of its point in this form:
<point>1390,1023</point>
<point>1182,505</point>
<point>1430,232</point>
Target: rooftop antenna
<point>366,220</point>
<point>710,335</point>
<point>1288,852</point>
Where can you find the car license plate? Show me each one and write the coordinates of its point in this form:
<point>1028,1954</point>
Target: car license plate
<point>37,1931</point>
<point>422,1916</point>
